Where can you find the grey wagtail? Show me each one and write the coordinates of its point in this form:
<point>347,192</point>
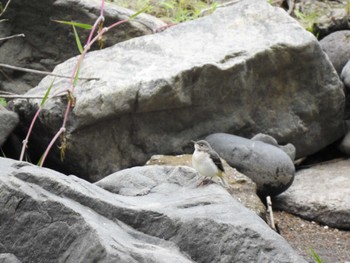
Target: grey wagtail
<point>207,162</point>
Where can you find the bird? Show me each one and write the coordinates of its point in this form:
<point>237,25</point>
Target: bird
<point>207,161</point>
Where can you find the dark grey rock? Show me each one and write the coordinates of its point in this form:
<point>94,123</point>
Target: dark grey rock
<point>344,145</point>
<point>289,148</point>
<point>8,122</point>
<point>187,178</point>
<point>320,193</point>
<point>48,43</point>
<point>158,92</point>
<point>265,138</point>
<point>46,216</point>
<point>268,166</point>
<point>335,20</point>
<point>336,46</point>
<point>345,75</point>
<point>8,258</point>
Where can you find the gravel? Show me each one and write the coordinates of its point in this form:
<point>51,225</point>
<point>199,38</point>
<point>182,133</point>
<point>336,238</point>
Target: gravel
<point>332,245</point>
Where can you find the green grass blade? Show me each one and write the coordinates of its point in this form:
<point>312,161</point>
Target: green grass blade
<point>138,12</point>
<point>76,76</point>
<point>81,25</point>
<point>299,14</point>
<point>168,5</point>
<point>47,94</point>
<point>77,40</point>
<point>40,160</point>
<point>214,6</point>
<point>2,153</point>
<point>315,256</point>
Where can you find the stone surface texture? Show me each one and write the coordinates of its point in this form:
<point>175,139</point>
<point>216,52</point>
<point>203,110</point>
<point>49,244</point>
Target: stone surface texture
<point>246,69</point>
<point>289,148</point>
<point>8,122</point>
<point>335,20</point>
<point>156,214</point>
<point>267,165</point>
<point>8,258</point>
<point>345,73</point>
<point>241,187</point>
<point>320,193</point>
<point>336,46</point>
<point>48,43</point>
<point>344,144</point>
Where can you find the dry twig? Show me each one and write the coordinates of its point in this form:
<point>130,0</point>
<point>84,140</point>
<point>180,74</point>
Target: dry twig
<point>269,208</point>
<point>13,36</point>
<point>4,9</point>
<point>40,72</point>
<point>17,96</point>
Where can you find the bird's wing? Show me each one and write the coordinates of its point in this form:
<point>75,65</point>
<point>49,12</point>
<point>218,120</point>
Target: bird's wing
<point>216,158</point>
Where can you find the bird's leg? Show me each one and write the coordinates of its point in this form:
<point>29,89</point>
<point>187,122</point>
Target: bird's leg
<point>205,181</point>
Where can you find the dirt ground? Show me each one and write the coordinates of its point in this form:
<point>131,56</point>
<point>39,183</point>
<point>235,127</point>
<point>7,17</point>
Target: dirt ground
<point>331,245</point>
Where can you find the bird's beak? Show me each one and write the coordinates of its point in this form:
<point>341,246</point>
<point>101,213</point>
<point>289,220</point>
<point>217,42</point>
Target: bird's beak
<point>195,144</point>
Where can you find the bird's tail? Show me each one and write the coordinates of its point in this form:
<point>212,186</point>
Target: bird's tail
<point>223,180</point>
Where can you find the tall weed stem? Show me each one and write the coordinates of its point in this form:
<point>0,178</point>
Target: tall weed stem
<point>91,40</point>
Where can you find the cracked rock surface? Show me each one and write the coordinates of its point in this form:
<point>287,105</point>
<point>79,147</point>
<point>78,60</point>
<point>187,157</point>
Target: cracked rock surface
<point>47,216</point>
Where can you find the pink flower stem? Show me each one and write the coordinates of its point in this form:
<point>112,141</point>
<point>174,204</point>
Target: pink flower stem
<point>99,19</point>
<point>102,8</point>
<point>25,141</point>
<point>87,47</point>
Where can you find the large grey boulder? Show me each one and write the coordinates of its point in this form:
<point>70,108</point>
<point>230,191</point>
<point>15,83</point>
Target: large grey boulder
<point>266,164</point>
<point>48,43</point>
<point>8,122</point>
<point>320,193</point>
<point>245,69</point>
<point>241,187</point>
<point>158,215</point>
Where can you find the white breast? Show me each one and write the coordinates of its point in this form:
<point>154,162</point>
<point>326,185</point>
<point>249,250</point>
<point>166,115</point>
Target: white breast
<point>203,164</point>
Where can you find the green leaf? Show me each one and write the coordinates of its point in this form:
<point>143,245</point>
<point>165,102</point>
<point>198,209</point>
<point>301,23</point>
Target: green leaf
<point>168,5</point>
<point>40,160</point>
<point>138,12</point>
<point>213,6</point>
<point>85,26</point>
<point>76,76</point>
<point>3,102</point>
<point>299,14</point>
<point>77,40</point>
<point>47,94</point>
